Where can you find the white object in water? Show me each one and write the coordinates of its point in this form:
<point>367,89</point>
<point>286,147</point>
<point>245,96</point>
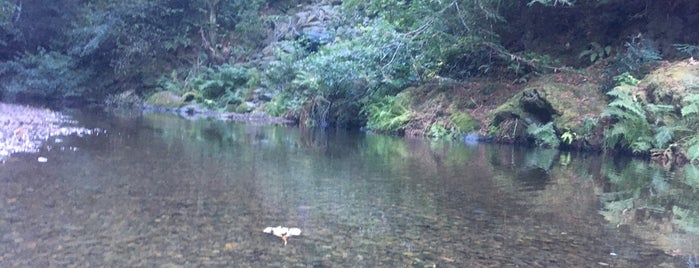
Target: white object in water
<point>283,232</point>
<point>42,159</point>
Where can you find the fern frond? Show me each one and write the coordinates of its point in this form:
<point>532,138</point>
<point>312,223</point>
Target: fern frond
<point>641,146</point>
<point>693,148</point>
<point>660,108</point>
<point>629,106</point>
<point>692,107</point>
<point>663,135</point>
<point>544,135</point>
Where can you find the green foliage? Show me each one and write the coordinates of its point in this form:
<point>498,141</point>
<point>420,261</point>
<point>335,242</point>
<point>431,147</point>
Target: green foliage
<point>8,14</point>
<point>639,51</point>
<point>544,135</point>
<point>452,35</point>
<point>463,122</point>
<point>663,136</point>
<point>552,2</point>
<point>690,116</point>
<point>589,126</point>
<point>686,219</point>
<point>132,32</point>
<point>691,107</point>
<point>568,137</point>
<point>528,64</point>
<point>377,62</point>
<point>691,50</point>
<point>49,75</point>
<point>626,80</point>
<point>226,84</point>
<point>638,127</point>
<point>283,103</point>
<point>596,52</point>
<point>632,129</point>
<point>439,130</point>
<point>389,114</point>
<point>214,82</point>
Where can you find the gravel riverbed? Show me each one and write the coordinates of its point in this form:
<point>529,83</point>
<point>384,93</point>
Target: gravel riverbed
<point>25,128</point>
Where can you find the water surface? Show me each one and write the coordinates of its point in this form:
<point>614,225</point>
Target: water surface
<point>161,191</point>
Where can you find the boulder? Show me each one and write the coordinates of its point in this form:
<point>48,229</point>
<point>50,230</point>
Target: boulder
<point>549,99</point>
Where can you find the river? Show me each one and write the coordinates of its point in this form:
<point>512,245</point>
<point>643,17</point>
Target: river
<point>160,191</point>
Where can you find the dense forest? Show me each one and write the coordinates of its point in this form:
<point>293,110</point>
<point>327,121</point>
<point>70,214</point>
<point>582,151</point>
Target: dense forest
<point>426,67</point>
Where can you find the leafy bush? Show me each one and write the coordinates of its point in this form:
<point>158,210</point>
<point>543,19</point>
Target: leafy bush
<point>214,82</point>
<point>691,50</point>
<point>221,83</point>
<point>49,75</point>
<point>596,52</point>
<point>639,51</point>
<point>378,61</point>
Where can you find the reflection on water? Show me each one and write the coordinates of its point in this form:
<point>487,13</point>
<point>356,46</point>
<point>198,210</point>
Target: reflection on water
<point>161,191</point>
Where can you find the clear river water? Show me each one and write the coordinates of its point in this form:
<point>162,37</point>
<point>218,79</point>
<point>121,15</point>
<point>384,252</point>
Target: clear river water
<point>156,190</point>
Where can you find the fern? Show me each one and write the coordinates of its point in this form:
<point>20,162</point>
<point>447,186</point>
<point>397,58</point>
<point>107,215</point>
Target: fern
<point>632,129</point>
<point>389,114</point>
<point>544,135</point>
<point>691,50</point>
<point>626,79</point>
<point>692,107</point>
<point>663,136</point>
<point>693,148</point>
<point>624,106</point>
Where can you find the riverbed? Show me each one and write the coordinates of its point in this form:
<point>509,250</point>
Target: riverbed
<point>156,190</point>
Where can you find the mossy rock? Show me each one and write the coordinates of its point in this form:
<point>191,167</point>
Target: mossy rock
<point>671,84</point>
<point>545,100</point>
<point>463,122</point>
<point>165,99</point>
<point>243,108</point>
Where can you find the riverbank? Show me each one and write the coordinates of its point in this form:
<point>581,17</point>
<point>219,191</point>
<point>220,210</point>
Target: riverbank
<point>23,129</point>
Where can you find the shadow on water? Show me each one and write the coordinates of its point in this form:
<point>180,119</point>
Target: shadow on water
<point>157,190</point>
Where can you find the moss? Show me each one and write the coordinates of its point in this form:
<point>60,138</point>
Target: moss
<point>166,99</point>
<point>671,84</point>
<point>570,104</point>
<point>242,108</point>
<point>463,122</point>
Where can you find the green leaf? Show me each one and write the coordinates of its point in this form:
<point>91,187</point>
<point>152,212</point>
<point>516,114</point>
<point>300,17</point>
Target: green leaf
<point>544,135</point>
<point>663,136</point>
<point>693,148</point>
<point>568,137</point>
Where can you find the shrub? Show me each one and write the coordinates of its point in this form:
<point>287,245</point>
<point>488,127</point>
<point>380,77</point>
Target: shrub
<point>388,114</point>
<point>49,75</point>
<point>225,83</point>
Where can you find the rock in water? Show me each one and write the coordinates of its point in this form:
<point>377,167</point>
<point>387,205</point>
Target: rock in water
<point>282,232</point>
